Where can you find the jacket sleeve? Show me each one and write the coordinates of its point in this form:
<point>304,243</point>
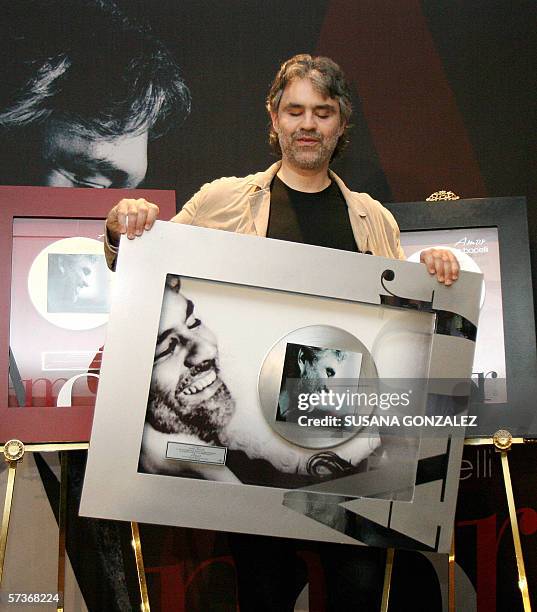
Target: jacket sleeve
<point>396,235</point>
<point>190,210</point>
<point>187,214</point>
<point>397,239</point>
<point>110,251</point>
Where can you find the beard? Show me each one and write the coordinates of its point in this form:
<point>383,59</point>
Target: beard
<point>307,157</point>
<point>207,419</point>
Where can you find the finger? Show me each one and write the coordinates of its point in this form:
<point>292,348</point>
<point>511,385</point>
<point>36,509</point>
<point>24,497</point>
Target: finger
<point>448,279</point>
<point>141,216</point>
<point>119,212</point>
<point>455,267</point>
<point>451,267</point>
<point>439,264</point>
<point>152,214</point>
<point>132,213</point>
<point>427,258</point>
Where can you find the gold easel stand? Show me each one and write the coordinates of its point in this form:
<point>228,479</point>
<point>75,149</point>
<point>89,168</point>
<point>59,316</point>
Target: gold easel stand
<point>140,569</point>
<point>14,451</point>
<point>502,441</point>
<point>451,575</point>
<point>390,553</point>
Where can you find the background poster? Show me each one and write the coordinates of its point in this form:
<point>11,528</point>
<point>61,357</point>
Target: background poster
<point>443,94</point>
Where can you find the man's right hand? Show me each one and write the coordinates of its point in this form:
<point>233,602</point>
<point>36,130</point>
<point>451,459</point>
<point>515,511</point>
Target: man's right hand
<point>130,217</point>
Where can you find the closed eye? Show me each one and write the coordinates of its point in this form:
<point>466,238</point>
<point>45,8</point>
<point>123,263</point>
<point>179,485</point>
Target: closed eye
<point>86,183</point>
<point>196,323</point>
<point>172,344</point>
<point>80,181</point>
<point>190,320</point>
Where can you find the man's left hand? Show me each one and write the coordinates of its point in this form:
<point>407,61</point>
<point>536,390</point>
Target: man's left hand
<point>443,263</point>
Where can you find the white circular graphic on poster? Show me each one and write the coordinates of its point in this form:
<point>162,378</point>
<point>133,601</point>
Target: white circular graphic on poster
<point>465,263</point>
<point>70,284</point>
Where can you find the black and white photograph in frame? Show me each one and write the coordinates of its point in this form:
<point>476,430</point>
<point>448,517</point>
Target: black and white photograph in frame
<point>197,403</point>
<point>311,382</point>
<point>77,282</point>
<point>217,299</point>
<point>70,285</point>
<point>314,370</point>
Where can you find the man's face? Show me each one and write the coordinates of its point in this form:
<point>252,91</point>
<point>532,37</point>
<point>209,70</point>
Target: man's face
<point>308,126</point>
<point>72,160</point>
<point>319,367</point>
<point>322,365</point>
<point>186,368</point>
<point>80,273</point>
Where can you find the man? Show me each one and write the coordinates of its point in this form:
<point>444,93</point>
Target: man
<point>296,199</point>
<point>187,394</point>
<point>84,89</point>
<point>309,105</point>
<point>187,397</point>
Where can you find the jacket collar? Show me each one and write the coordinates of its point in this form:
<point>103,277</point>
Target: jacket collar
<point>350,197</point>
<point>259,198</point>
<point>262,180</point>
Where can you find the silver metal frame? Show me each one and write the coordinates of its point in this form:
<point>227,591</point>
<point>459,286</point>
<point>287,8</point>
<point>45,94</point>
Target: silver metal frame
<point>353,287</point>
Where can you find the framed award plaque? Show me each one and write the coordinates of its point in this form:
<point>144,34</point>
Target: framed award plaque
<point>489,235</point>
<point>269,387</point>
<point>55,301</point>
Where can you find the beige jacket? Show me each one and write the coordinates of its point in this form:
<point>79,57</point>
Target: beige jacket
<point>242,205</point>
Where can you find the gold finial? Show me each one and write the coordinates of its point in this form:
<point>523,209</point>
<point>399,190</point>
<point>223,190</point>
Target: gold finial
<point>442,195</point>
<point>13,450</point>
<point>502,439</point>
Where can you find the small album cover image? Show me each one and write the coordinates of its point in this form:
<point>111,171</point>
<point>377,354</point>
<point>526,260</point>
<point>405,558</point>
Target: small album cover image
<point>312,377</point>
<point>77,282</point>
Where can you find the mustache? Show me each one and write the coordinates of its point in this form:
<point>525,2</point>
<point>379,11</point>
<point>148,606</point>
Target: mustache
<point>302,134</point>
<point>204,366</point>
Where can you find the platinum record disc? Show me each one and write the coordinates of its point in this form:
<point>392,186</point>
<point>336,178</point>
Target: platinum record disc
<point>308,382</point>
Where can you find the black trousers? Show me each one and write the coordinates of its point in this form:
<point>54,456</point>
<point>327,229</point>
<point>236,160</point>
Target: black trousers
<point>271,575</point>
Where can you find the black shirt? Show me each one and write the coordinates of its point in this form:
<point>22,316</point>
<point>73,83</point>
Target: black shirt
<point>318,218</point>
